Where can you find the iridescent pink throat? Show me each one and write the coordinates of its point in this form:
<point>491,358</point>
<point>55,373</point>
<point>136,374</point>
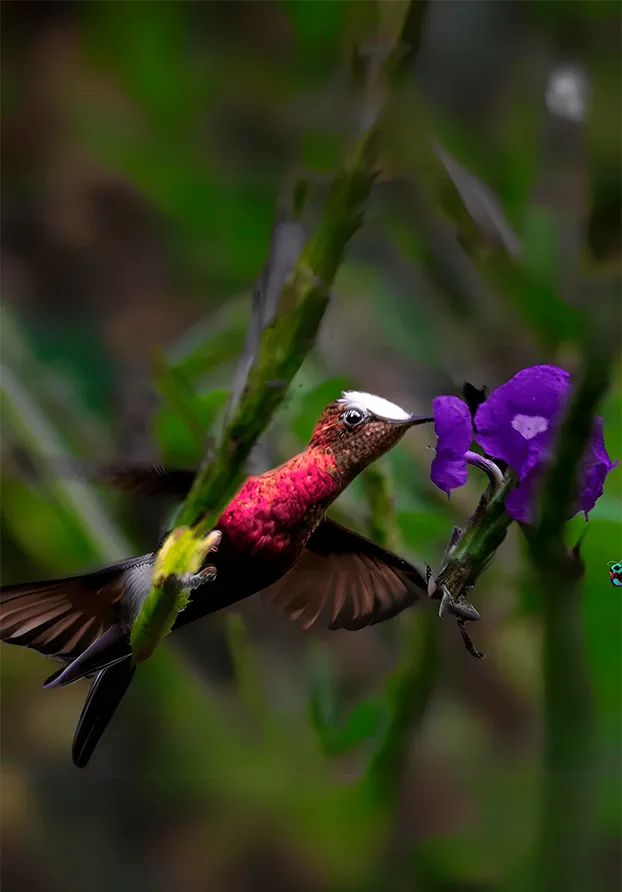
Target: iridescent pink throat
<point>273,515</point>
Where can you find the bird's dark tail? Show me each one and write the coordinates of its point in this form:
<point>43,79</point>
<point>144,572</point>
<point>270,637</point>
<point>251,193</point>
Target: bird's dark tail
<point>104,696</point>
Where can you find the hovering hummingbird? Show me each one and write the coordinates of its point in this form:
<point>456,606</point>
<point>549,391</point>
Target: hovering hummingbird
<point>275,539</point>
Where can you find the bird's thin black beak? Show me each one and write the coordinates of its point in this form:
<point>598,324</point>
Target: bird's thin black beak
<point>411,421</point>
<point>418,419</point>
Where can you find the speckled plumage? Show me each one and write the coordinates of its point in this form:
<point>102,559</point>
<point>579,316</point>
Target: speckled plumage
<point>273,515</point>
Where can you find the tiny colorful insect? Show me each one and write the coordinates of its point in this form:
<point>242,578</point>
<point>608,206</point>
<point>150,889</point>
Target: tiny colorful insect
<point>615,572</point>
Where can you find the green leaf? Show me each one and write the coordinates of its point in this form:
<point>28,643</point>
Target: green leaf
<point>423,531</point>
<point>537,294</point>
<point>317,29</point>
<point>209,404</point>
<point>178,443</point>
<point>336,735</point>
<point>322,699</point>
<point>365,722</point>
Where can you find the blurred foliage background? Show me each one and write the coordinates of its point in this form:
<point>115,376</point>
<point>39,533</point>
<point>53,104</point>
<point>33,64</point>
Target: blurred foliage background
<point>146,149</point>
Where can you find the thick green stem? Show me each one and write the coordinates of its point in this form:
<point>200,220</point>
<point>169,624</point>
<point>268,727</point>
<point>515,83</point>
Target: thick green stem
<point>410,687</point>
<point>288,338</point>
<point>409,692</point>
<point>382,523</point>
<point>568,817</point>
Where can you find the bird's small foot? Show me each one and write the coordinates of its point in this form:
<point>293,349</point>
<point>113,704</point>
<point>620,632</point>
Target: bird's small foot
<point>458,607</point>
<point>464,610</point>
<point>213,540</point>
<point>467,641</point>
<point>192,581</point>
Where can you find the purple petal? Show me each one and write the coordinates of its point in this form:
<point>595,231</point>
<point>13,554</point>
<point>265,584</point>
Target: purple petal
<point>520,502</point>
<point>596,465</point>
<point>452,424</point>
<point>454,429</point>
<point>448,472</point>
<point>518,419</point>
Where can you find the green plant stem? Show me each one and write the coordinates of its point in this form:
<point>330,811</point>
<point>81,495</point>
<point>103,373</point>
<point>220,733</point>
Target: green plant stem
<point>478,544</point>
<point>287,340</point>
<point>382,523</point>
<point>411,685</point>
<point>568,817</point>
<point>248,680</point>
<point>409,692</point>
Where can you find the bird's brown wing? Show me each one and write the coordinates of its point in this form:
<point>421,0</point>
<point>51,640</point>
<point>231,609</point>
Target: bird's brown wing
<point>136,478</point>
<point>346,582</point>
<point>62,617</point>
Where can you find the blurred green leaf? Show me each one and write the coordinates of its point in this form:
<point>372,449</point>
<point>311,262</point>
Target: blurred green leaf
<point>150,56</point>
<point>316,33</point>
<point>338,735</point>
<point>198,411</point>
<point>423,531</point>
<point>539,302</point>
<point>322,697</point>
<point>182,435</point>
<point>364,723</point>
<point>309,404</point>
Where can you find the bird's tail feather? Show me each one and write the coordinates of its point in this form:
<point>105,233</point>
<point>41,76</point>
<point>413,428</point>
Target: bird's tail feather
<point>104,696</point>
<point>113,647</point>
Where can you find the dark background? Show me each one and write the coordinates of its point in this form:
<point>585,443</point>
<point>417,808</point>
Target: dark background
<point>145,149</point>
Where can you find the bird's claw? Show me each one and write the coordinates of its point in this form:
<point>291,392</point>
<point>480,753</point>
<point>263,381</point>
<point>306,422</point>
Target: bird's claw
<point>467,641</point>
<point>213,541</point>
<point>192,581</point>
<point>464,612</point>
<point>458,607</point>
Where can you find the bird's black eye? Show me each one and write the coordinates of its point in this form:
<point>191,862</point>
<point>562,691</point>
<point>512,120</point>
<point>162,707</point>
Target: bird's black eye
<point>352,417</point>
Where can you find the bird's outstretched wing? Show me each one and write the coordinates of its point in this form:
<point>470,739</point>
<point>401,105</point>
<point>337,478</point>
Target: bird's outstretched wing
<point>346,582</point>
<point>62,617</point>
<point>135,478</point>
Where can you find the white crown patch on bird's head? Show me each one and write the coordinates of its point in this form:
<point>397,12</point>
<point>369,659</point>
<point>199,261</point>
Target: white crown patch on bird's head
<point>375,405</point>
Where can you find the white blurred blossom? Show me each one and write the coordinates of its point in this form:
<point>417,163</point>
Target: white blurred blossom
<point>567,93</point>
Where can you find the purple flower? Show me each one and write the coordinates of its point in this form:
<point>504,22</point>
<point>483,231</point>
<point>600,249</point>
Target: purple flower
<point>454,429</point>
<point>517,421</point>
<point>520,501</point>
<point>594,469</point>
<point>517,424</point>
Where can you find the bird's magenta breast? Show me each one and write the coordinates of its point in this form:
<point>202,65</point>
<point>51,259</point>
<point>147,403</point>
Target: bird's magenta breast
<point>273,515</point>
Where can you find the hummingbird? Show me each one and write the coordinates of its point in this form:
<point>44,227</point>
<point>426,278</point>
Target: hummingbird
<point>275,540</point>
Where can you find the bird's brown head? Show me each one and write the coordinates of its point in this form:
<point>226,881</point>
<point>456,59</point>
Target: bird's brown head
<point>358,428</point>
